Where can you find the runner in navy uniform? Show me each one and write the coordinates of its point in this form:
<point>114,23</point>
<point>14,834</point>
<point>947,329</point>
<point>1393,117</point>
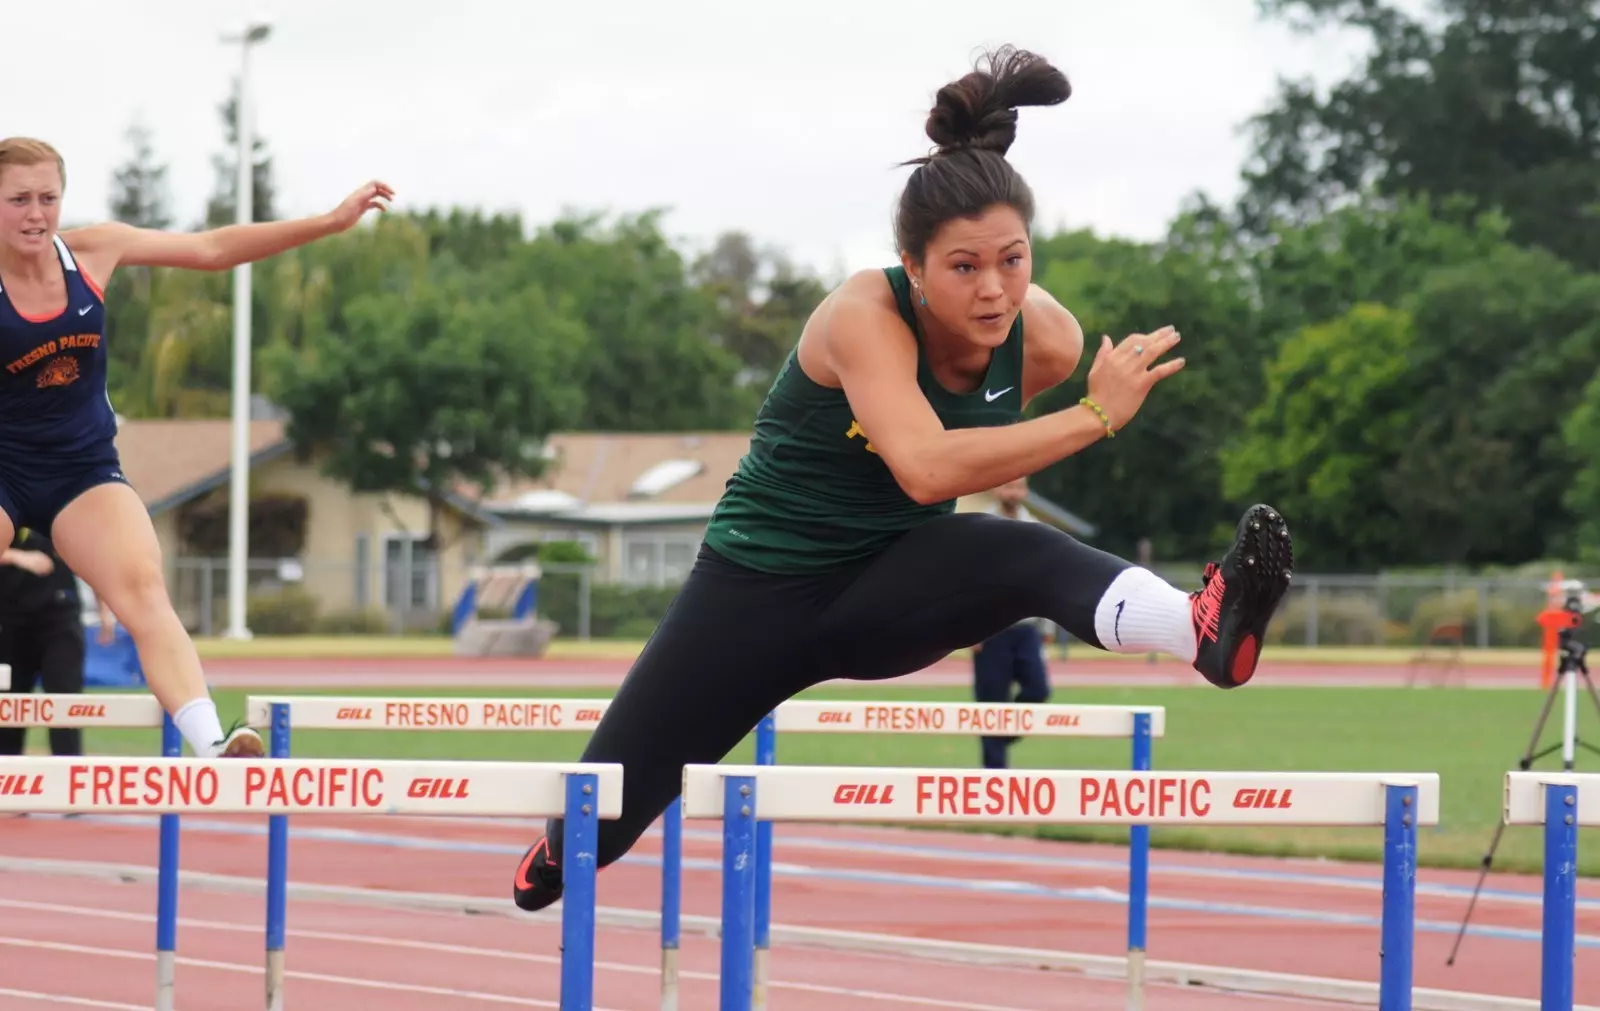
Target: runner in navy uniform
<point>59,471</point>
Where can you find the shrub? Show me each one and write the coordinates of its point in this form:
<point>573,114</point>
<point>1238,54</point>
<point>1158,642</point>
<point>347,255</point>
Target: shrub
<point>291,610</point>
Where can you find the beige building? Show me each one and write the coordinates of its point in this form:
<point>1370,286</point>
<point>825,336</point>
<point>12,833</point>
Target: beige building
<point>639,502</point>
<point>358,553</point>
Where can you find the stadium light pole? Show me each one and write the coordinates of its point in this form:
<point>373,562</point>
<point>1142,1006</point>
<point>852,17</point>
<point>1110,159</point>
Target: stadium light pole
<point>253,33</point>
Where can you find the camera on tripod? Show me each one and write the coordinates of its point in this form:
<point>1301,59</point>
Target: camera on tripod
<point>1563,621</point>
<point>1577,598</point>
<point>1568,618</point>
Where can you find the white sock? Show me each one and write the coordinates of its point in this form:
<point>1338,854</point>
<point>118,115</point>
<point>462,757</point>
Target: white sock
<point>198,723</point>
<point>1143,613</point>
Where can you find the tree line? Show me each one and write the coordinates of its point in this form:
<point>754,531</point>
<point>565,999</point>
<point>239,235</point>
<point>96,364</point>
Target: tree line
<point>1393,334</point>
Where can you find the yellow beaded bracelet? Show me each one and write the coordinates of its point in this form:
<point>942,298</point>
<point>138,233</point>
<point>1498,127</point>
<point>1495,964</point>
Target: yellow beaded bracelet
<point>1091,405</point>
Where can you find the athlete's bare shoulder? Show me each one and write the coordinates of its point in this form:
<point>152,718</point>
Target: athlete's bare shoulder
<point>91,246</point>
<point>1053,342</point>
<point>97,240</point>
<point>865,294</point>
<point>856,313</point>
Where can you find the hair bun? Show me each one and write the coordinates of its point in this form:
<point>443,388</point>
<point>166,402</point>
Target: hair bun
<point>980,109</point>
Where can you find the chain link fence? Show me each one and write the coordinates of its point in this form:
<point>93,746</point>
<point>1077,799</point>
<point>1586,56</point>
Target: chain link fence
<point>1356,610</point>
<point>341,598</point>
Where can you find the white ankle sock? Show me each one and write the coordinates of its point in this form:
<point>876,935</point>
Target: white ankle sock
<point>198,723</point>
<point>1143,613</point>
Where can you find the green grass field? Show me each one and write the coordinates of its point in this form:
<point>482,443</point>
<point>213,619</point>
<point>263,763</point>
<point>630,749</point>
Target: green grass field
<point>380,646</point>
<point>1469,737</point>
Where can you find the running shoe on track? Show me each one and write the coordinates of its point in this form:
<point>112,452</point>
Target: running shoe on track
<point>538,882</point>
<point>241,742</point>
<point>1240,595</point>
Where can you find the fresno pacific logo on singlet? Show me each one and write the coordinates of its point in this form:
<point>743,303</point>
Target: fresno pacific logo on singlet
<point>61,370</point>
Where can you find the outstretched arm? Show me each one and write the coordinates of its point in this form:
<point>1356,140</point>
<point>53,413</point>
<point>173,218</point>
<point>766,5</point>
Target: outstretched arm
<point>933,464</point>
<point>105,247</point>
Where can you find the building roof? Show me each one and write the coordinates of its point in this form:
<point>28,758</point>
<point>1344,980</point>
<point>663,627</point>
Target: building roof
<point>615,478</point>
<point>170,462</point>
<point>173,461</point>
<point>586,469</point>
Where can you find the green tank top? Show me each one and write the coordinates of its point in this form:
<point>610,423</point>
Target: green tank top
<point>812,493</point>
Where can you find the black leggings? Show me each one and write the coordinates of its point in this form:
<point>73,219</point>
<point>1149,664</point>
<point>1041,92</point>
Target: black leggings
<point>736,642</point>
<point>47,647</point>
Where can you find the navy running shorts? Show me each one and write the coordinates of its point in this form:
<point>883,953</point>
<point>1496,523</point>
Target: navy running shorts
<point>35,488</point>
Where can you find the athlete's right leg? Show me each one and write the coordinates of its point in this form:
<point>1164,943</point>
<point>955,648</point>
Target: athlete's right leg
<point>961,578</point>
<point>733,645</point>
<point>105,536</point>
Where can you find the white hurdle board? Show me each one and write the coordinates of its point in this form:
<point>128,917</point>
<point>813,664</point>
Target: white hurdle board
<point>1525,798</point>
<point>800,793</point>
<point>116,784</point>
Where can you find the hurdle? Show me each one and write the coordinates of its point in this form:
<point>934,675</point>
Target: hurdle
<point>513,587</point>
<point>584,794</point>
<point>282,713</point>
<point>969,719</point>
<point>1561,802</point>
<point>131,712</point>
<point>740,794</point>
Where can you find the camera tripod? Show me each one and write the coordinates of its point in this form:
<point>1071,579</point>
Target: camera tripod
<point>1573,664</point>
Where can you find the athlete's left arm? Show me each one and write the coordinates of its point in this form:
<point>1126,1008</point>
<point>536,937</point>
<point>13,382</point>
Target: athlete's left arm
<point>1054,343</point>
<point>105,247</point>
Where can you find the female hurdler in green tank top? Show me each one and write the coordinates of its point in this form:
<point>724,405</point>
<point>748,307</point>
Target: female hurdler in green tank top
<point>812,492</point>
<point>835,551</point>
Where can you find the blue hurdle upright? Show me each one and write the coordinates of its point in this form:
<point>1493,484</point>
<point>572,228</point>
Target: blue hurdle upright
<point>1561,802</point>
<point>280,715</point>
<point>93,709</point>
<point>740,796</point>
<point>584,794</point>
<point>1141,724</point>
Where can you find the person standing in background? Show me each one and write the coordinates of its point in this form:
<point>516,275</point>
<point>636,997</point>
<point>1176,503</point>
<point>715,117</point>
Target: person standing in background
<point>41,632</point>
<point>1015,655</point>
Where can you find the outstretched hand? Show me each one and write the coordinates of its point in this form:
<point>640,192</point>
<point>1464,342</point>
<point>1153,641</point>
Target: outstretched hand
<point>374,196</point>
<point>1122,374</point>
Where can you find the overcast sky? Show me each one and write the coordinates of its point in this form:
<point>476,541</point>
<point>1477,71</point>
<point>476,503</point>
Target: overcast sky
<point>782,119</point>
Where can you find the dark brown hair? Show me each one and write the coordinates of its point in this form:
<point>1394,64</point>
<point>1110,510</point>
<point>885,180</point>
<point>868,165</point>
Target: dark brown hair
<point>973,123</point>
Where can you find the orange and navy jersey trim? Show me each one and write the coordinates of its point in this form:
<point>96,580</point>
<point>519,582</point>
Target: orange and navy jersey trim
<point>69,263</point>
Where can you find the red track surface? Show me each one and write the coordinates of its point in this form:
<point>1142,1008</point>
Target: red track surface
<point>514,958</point>
<point>64,937</point>
<point>95,943</point>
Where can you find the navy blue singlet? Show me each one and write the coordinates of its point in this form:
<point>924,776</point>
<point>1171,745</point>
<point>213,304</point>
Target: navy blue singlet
<point>57,428</point>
